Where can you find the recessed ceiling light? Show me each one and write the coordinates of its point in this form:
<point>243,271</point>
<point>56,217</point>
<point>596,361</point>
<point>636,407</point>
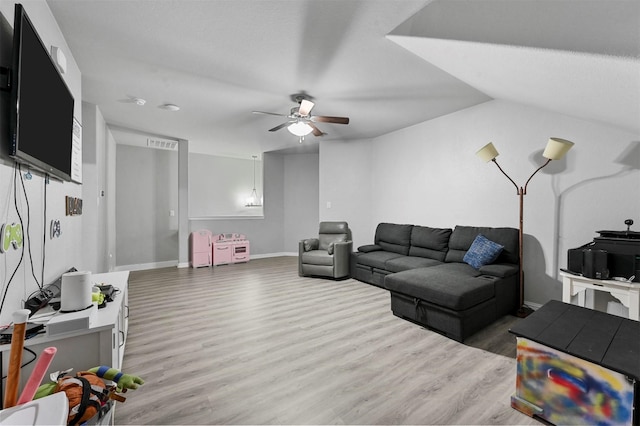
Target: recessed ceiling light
<point>139,101</point>
<point>170,107</point>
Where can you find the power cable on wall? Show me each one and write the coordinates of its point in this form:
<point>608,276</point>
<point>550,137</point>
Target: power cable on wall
<point>28,234</point>
<point>15,202</point>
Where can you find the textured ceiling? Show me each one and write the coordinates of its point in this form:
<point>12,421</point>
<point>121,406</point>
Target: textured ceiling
<point>581,59</point>
<point>221,59</point>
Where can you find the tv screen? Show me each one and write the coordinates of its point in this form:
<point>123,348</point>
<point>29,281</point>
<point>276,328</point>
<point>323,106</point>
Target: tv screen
<point>41,123</point>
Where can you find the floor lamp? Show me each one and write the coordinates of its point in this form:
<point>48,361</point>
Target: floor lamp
<point>555,150</point>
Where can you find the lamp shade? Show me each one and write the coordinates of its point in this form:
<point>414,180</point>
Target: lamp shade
<point>487,152</point>
<point>556,148</point>
<point>300,128</point>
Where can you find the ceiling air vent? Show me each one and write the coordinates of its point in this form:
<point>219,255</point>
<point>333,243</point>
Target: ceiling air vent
<point>162,144</point>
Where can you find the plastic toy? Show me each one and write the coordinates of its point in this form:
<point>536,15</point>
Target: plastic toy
<point>89,383</point>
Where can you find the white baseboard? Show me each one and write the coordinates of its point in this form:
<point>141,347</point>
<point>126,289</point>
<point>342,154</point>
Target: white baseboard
<point>145,266</point>
<point>264,256</point>
<point>170,263</point>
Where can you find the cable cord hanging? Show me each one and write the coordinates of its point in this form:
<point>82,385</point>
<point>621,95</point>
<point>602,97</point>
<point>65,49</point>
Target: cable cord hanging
<point>28,234</point>
<point>15,202</point>
<point>44,228</point>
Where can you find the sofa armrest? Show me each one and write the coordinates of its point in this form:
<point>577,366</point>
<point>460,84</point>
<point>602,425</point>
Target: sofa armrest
<point>501,270</point>
<point>369,247</point>
<point>343,248</point>
<point>342,258</point>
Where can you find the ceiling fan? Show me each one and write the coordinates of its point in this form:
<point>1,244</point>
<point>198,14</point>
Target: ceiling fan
<point>300,121</point>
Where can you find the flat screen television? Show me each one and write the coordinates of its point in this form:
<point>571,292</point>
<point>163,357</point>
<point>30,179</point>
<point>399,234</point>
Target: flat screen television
<point>41,111</point>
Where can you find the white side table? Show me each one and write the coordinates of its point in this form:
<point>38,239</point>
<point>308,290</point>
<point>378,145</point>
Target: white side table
<point>628,293</point>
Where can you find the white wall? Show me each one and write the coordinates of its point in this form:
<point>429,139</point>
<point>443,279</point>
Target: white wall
<point>301,194</point>
<point>290,207</point>
<point>61,253</point>
<point>219,186</point>
<point>346,186</point>
<point>94,189</point>
<point>428,175</point>
<point>146,193</point>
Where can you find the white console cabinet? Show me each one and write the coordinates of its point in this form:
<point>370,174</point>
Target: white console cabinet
<point>103,343</point>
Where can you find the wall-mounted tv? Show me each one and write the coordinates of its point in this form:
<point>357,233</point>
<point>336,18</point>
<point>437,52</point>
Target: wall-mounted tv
<point>41,112</point>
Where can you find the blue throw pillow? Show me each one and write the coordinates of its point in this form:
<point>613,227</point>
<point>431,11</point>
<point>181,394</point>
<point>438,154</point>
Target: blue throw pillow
<point>482,252</point>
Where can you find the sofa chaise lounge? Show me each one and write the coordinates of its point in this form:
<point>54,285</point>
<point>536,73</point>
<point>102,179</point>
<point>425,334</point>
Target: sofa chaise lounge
<point>426,270</point>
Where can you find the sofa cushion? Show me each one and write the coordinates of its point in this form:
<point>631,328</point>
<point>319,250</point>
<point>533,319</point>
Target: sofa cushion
<point>403,263</point>
<point>463,236</point>
<point>394,238</point>
<point>482,252</point>
<point>429,242</point>
<point>458,269</point>
<point>317,257</point>
<point>501,270</point>
<point>444,289</point>
<point>376,259</point>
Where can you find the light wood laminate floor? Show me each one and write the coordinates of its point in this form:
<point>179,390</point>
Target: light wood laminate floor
<point>256,344</point>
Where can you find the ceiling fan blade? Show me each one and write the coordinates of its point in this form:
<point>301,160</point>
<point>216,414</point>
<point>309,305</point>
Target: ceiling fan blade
<point>305,107</point>
<point>280,126</point>
<point>316,131</point>
<point>325,119</point>
<point>270,113</point>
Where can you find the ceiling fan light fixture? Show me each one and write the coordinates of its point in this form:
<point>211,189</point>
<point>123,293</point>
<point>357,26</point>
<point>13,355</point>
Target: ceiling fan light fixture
<point>170,107</point>
<point>300,128</point>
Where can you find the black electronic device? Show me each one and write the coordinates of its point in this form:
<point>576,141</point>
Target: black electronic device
<point>594,264</point>
<point>30,329</point>
<point>108,290</point>
<point>622,255</point>
<point>42,297</point>
<point>41,111</point>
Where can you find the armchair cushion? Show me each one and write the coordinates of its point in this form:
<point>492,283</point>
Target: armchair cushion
<point>317,257</point>
<point>327,239</point>
<point>333,232</point>
<point>310,244</point>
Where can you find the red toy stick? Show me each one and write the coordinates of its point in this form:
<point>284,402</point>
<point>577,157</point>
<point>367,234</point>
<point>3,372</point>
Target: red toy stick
<point>37,375</point>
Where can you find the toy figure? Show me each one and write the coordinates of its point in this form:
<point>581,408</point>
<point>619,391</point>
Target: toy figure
<point>89,383</point>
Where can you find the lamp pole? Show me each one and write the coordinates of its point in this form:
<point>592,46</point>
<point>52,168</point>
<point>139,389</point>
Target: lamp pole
<point>523,311</point>
<point>556,149</point>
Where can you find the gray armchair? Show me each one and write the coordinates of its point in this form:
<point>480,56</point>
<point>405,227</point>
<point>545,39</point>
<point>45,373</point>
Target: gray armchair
<point>328,255</point>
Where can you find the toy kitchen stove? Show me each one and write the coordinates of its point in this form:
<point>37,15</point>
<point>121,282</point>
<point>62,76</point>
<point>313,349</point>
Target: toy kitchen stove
<point>230,248</point>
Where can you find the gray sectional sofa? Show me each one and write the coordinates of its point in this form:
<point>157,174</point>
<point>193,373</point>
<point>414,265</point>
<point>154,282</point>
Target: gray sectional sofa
<point>430,282</point>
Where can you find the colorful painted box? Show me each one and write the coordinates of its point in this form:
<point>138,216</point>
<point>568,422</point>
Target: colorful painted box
<point>577,366</point>
<point>564,390</point>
